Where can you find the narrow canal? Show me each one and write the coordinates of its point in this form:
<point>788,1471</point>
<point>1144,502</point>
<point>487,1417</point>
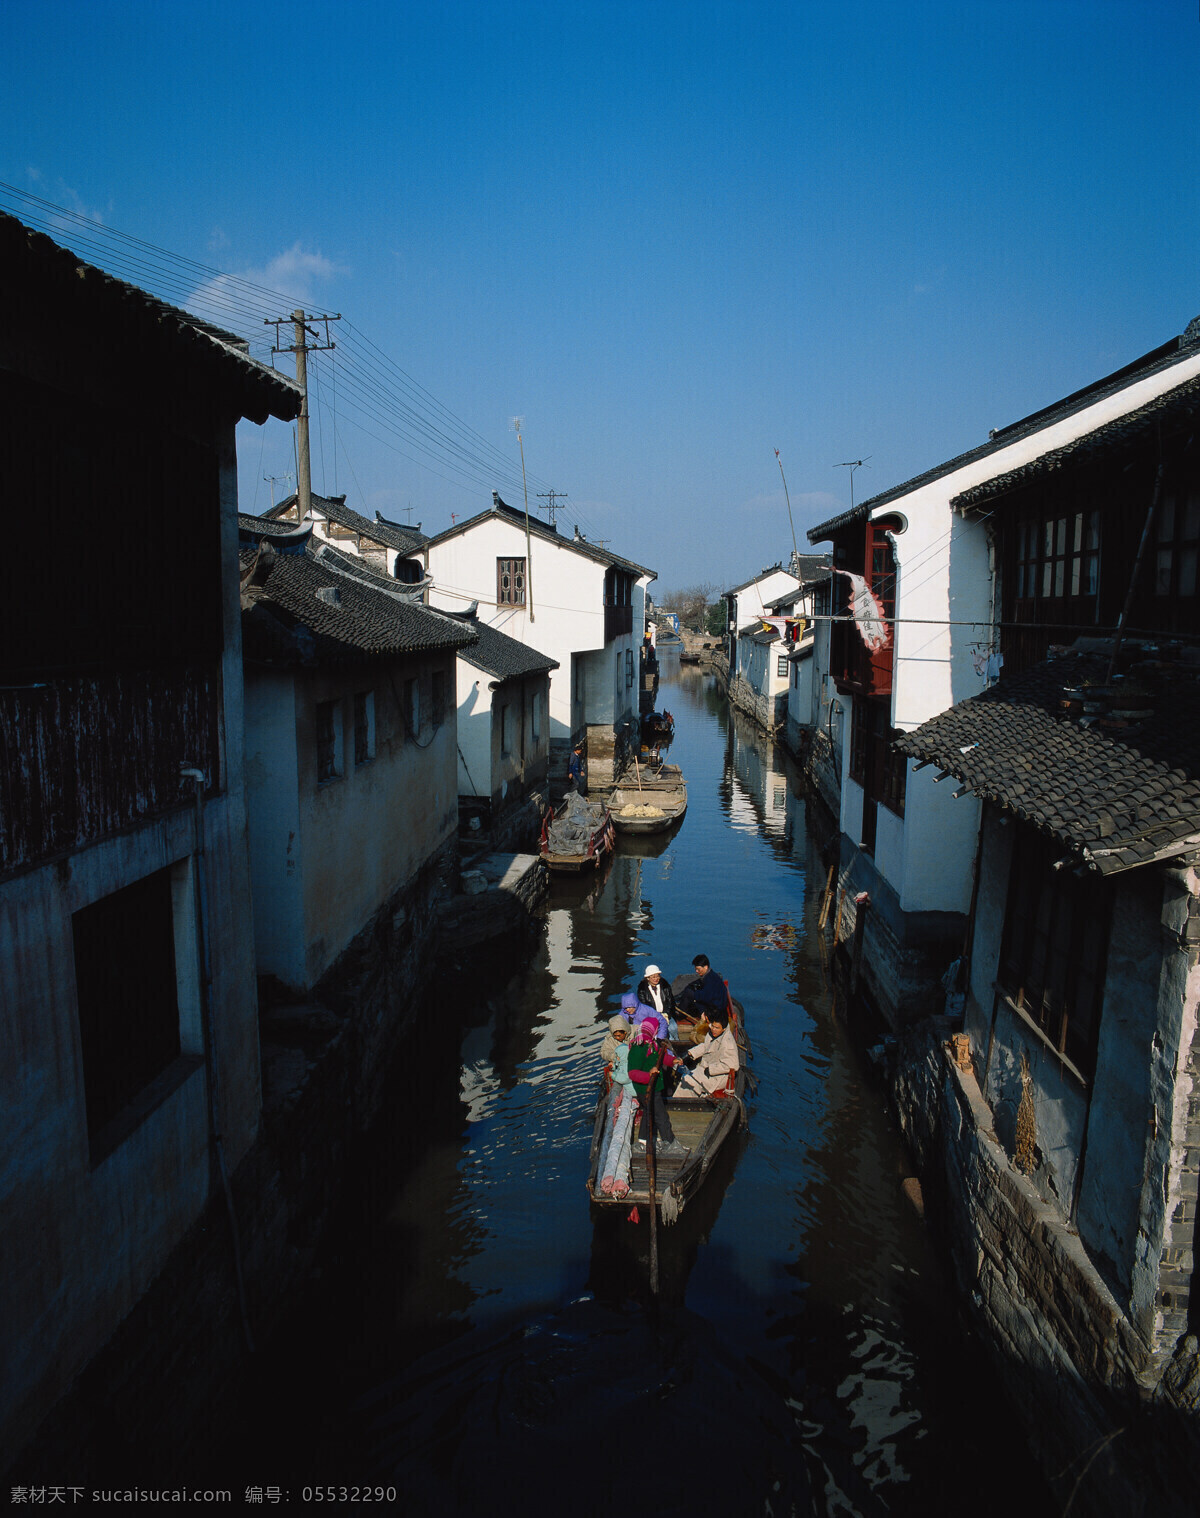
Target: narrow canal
<point>479,1344</point>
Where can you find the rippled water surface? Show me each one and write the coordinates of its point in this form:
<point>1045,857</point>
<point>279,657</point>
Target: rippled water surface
<point>480,1342</point>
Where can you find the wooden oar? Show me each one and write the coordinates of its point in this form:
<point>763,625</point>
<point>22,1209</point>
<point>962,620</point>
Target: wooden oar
<point>652,1172</point>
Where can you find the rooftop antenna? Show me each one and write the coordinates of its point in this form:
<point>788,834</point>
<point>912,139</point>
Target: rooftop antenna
<point>273,480</point>
<point>852,465</point>
<point>788,499</point>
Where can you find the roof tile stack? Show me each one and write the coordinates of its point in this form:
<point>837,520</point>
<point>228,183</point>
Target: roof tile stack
<point>1117,795</point>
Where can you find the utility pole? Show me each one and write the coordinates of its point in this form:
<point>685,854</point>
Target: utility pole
<point>518,423</point>
<point>788,499</point>
<point>552,496</point>
<point>302,348</point>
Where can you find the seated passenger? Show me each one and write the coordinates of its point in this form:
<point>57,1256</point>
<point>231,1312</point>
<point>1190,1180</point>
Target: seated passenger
<point>653,991</point>
<point>629,1003</point>
<point>705,994</point>
<point>710,1063</point>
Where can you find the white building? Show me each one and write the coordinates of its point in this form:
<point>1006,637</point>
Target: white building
<point>908,840</point>
<point>503,733</point>
<point>578,604</point>
<point>351,754</point>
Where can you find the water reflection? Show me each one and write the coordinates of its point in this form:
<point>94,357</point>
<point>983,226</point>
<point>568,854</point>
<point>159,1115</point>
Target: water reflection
<point>486,1337</point>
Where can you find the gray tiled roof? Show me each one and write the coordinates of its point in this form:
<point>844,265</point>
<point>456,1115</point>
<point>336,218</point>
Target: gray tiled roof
<point>252,529</point>
<point>1159,359</point>
<point>500,656</point>
<point>351,618</point>
<point>255,390</point>
<point>1172,412</point>
<point>408,540</point>
<point>1116,797</point>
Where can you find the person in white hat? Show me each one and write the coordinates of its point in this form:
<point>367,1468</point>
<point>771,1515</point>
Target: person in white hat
<point>655,992</point>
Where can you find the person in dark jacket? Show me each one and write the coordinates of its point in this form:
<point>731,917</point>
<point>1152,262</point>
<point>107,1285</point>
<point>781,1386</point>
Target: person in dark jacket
<point>653,991</point>
<point>575,770</point>
<point>704,995</point>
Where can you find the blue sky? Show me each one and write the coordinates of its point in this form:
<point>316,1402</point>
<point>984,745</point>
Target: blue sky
<point>672,237</point>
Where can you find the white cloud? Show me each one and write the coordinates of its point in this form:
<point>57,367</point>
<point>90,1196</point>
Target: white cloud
<point>293,275</point>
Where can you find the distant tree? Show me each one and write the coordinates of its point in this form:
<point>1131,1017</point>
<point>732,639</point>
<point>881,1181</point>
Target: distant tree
<point>691,606</point>
<point>714,625</point>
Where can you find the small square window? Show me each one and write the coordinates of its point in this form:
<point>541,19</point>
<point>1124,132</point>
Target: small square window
<point>781,666</point>
<point>135,990</point>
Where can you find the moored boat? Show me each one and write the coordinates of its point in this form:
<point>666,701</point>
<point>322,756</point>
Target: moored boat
<point>652,777</point>
<point>646,811</point>
<point>577,835</point>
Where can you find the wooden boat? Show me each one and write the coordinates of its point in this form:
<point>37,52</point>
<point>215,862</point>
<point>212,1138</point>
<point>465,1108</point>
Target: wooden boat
<point>648,811</point>
<point>652,777</point>
<point>595,841</point>
<point>658,725</point>
<point>702,1124</point>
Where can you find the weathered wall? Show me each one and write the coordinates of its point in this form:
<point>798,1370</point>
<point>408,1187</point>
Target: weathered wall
<point>326,1064</point>
<point>1076,1368</point>
<point>273,818</point>
<point>474,736</point>
<point>82,1240</point>
<point>356,839</point>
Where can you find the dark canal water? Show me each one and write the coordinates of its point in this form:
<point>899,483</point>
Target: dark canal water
<point>480,1344</point>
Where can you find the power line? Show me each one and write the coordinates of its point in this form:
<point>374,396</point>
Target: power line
<point>387,395</point>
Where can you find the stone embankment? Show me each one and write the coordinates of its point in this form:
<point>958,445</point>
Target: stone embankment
<point>1115,1432</point>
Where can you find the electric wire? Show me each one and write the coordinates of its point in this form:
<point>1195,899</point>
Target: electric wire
<point>387,395</point>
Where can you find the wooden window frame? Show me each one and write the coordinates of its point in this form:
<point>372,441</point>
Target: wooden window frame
<point>1053,959</point>
<point>1177,546</point>
<point>328,715</point>
<point>1058,555</point>
<point>510,582</point>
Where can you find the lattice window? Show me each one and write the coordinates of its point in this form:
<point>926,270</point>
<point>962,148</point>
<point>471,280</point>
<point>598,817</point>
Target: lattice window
<point>1058,556</point>
<point>510,582</point>
<point>1177,531</point>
